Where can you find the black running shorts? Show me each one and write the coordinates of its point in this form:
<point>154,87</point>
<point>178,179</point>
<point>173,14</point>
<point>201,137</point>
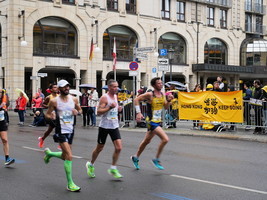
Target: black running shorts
<point>103,133</point>
<point>60,138</point>
<point>3,126</point>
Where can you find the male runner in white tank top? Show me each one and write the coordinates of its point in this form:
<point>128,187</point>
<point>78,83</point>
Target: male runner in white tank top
<point>66,107</point>
<point>109,125</point>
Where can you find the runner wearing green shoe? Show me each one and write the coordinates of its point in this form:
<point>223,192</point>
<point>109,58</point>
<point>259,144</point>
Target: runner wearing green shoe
<point>109,125</point>
<point>156,103</point>
<point>66,107</point>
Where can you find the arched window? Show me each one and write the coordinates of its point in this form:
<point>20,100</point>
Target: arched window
<point>53,36</point>
<point>175,42</point>
<point>126,40</point>
<point>215,52</point>
<point>254,52</point>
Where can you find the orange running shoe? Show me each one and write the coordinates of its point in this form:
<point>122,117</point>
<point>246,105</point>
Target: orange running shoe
<point>41,142</point>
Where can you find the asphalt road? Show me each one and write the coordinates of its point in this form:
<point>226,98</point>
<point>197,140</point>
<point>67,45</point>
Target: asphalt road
<point>196,169</point>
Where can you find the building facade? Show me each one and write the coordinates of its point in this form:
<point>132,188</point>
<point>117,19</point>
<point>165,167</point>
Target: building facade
<point>203,38</point>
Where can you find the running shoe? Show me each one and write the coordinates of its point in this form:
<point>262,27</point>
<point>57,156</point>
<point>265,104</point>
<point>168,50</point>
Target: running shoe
<point>46,157</point>
<point>41,142</point>
<point>115,173</point>
<point>90,170</point>
<point>59,147</point>
<point>135,162</point>
<point>73,188</point>
<point>9,161</point>
<point>157,164</point>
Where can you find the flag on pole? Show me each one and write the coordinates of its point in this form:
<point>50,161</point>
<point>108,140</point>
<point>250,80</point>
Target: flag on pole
<point>114,55</point>
<point>91,50</point>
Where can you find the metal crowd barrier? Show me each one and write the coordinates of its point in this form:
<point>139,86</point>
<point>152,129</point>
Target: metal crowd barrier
<point>254,116</point>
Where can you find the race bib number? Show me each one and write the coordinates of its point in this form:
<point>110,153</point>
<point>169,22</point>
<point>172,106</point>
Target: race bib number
<point>113,114</point>
<point>66,117</point>
<point>157,115</point>
<point>2,115</point>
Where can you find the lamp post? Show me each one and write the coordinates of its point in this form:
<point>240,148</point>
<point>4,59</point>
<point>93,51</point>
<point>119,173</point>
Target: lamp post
<point>170,56</point>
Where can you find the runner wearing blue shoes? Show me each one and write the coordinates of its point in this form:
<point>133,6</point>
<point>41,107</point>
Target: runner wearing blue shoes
<point>156,102</point>
<point>66,108</point>
<point>109,125</point>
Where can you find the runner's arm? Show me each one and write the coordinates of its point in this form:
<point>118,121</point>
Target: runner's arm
<point>102,106</point>
<point>46,102</point>
<point>51,108</point>
<point>77,107</point>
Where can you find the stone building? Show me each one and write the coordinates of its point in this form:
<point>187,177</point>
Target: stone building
<point>203,38</point>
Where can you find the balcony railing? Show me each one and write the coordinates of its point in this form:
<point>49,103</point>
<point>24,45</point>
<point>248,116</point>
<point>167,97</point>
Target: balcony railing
<point>255,8</point>
<point>222,68</point>
<point>221,3</point>
<point>255,28</point>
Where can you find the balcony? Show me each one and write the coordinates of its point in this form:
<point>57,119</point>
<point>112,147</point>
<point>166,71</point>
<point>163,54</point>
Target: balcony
<point>220,3</point>
<point>255,8</point>
<point>255,28</point>
<point>221,68</point>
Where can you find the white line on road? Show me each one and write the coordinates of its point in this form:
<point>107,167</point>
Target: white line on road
<point>219,184</point>
<point>34,149</point>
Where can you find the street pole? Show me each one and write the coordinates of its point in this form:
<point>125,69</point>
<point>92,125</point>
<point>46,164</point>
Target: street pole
<point>170,60</point>
<point>163,110</point>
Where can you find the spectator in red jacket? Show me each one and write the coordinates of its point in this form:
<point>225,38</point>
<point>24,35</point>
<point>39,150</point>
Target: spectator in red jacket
<point>21,103</point>
<point>37,103</point>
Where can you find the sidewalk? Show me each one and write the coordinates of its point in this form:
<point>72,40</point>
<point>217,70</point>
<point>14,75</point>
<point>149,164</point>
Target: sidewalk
<point>183,129</point>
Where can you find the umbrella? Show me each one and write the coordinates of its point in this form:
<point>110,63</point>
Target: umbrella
<point>175,83</point>
<point>86,86</point>
<point>105,87</point>
<point>75,92</point>
<point>18,91</point>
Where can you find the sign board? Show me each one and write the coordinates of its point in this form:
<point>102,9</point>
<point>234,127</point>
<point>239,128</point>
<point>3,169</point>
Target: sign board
<point>133,73</point>
<point>33,77</point>
<point>163,52</point>
<point>163,61</point>
<point>133,66</point>
<point>163,68</point>
<point>42,74</point>
<point>142,56</point>
<point>154,70</point>
<point>144,49</point>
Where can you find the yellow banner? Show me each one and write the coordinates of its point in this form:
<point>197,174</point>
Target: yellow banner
<point>211,106</point>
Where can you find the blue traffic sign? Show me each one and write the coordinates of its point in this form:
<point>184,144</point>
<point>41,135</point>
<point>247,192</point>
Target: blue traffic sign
<point>154,70</point>
<point>133,66</point>
<point>163,52</point>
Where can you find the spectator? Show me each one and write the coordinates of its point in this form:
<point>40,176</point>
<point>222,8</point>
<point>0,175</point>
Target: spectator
<point>216,86</point>
<point>209,87</point>
<point>258,109</point>
<point>264,95</point>
<point>85,107</point>
<point>93,99</point>
<point>247,106</point>
<point>41,93</point>
<point>37,103</point>
<point>21,103</point>
<point>39,119</point>
<point>220,81</point>
<point>196,122</point>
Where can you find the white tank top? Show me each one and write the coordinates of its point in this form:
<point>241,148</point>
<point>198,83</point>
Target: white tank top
<point>109,120</point>
<point>65,115</point>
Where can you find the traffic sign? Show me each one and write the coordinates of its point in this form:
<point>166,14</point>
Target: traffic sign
<point>163,52</point>
<point>133,73</point>
<point>133,66</point>
<point>144,49</point>
<point>142,56</point>
<point>42,74</point>
<point>163,61</point>
<point>34,77</point>
<point>154,70</point>
<point>163,68</point>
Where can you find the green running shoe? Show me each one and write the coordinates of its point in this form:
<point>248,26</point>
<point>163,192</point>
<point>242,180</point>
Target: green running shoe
<point>115,173</point>
<point>47,157</point>
<point>73,188</point>
<point>90,170</point>
<point>135,162</point>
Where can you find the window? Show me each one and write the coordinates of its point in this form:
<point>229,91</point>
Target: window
<point>248,23</point>
<point>248,5</point>
<point>68,1</point>
<point>112,5</point>
<point>55,37</point>
<point>180,11</point>
<point>131,6</point>
<point>215,52</point>
<point>259,24</point>
<point>223,18</point>
<point>177,43</point>
<point>254,52</point>
<point>210,16</point>
<point>126,40</point>
<point>165,9</point>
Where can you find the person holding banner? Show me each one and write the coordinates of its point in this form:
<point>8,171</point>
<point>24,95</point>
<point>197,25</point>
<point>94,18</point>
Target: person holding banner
<point>156,103</point>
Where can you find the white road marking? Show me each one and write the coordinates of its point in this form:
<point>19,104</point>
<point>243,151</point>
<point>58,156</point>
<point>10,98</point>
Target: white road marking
<point>34,149</point>
<point>220,184</point>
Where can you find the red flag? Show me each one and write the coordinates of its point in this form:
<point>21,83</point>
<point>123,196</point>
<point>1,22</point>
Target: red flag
<point>91,50</point>
<point>114,55</point>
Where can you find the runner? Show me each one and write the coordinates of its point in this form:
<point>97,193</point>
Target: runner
<point>3,129</point>
<point>66,107</point>
<point>109,125</point>
<point>156,102</point>
<point>54,93</point>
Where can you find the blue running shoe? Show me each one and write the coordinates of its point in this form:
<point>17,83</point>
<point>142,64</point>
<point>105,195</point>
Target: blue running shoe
<point>9,161</point>
<point>157,164</point>
<point>135,162</point>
